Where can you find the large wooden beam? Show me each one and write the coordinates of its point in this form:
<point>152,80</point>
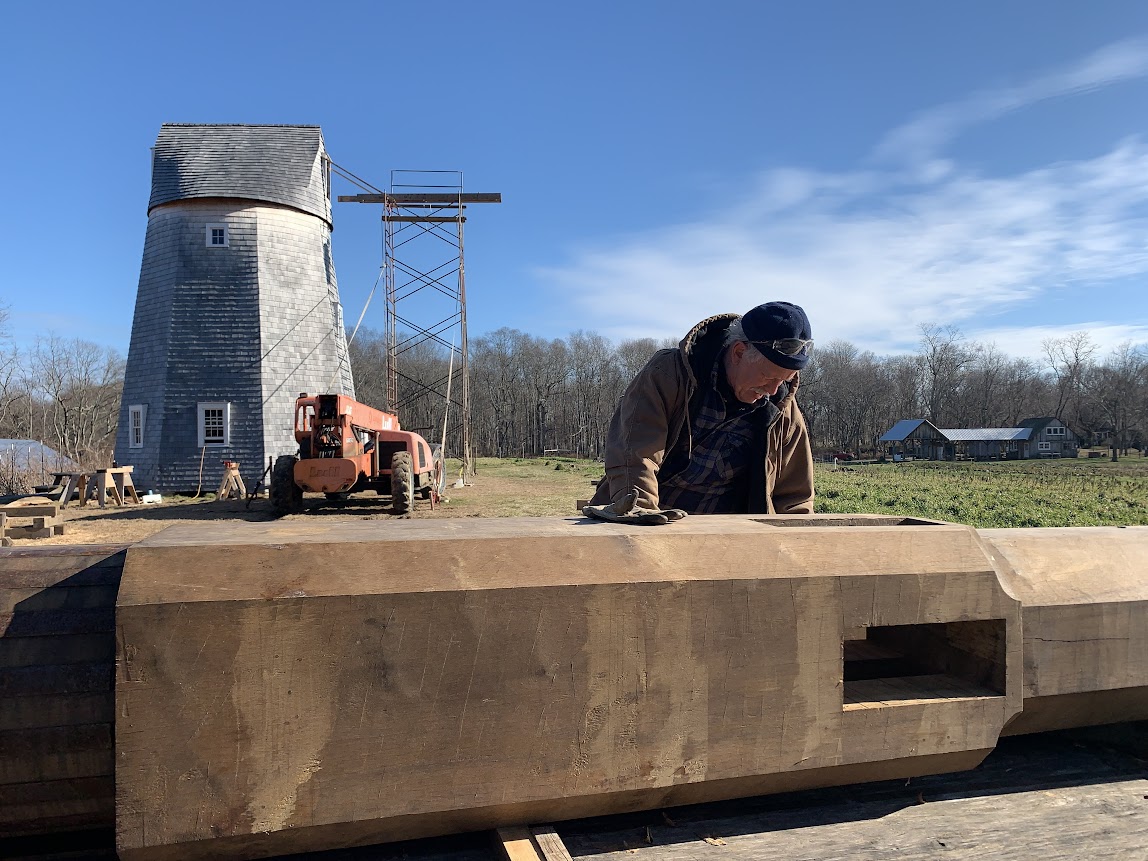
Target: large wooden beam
<point>1084,593</point>
<point>439,199</point>
<point>355,683</point>
<point>57,653</point>
<point>293,686</point>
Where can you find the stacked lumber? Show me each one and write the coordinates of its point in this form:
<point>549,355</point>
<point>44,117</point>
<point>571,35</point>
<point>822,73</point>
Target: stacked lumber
<point>57,654</point>
<point>44,514</point>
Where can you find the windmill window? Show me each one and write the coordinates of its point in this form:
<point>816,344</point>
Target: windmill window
<point>214,424</point>
<point>136,414</point>
<point>217,236</point>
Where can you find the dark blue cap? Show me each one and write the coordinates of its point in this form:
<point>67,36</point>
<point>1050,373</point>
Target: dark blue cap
<point>777,321</point>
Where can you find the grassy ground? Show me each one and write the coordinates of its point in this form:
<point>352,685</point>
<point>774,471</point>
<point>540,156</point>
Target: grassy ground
<point>1032,493</point>
<point>1080,492</point>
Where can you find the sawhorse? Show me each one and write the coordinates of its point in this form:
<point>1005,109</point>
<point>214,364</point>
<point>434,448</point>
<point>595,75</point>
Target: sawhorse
<point>232,482</point>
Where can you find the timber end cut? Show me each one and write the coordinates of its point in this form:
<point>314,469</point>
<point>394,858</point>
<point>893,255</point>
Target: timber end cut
<point>297,686</point>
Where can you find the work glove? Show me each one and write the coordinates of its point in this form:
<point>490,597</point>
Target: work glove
<point>626,510</point>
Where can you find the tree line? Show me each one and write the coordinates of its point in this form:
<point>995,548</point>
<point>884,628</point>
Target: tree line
<point>532,396</point>
<point>63,392</point>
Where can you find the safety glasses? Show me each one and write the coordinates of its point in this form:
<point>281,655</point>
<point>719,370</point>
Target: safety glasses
<point>788,346</point>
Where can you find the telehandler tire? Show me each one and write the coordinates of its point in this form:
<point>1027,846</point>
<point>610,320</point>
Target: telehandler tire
<point>402,482</point>
<point>286,495</point>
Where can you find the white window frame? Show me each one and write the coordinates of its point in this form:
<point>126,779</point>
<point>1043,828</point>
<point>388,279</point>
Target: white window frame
<point>208,234</point>
<point>201,423</point>
<point>137,416</point>
<point>1056,431</point>
<point>1044,446</point>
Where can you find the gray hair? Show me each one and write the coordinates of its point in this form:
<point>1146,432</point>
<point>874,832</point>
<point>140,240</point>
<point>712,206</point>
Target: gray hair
<point>735,332</point>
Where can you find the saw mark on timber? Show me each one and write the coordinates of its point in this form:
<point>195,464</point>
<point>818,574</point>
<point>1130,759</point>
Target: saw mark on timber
<point>198,654</point>
<point>363,713</point>
<point>469,685</point>
<point>171,636</point>
<point>442,670</point>
<point>537,632</point>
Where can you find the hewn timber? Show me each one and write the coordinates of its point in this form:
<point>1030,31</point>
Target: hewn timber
<point>57,653</point>
<point>294,684</point>
<point>357,669</point>
<point>1085,597</point>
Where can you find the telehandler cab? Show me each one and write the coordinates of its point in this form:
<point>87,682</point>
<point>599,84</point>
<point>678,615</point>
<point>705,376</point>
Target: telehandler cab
<point>346,447</point>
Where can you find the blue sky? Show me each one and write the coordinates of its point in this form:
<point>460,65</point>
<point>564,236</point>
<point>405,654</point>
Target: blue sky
<point>887,165</point>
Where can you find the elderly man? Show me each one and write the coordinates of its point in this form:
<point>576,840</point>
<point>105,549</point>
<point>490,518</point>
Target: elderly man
<point>713,427</point>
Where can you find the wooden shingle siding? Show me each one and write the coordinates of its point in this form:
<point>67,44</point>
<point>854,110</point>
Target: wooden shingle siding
<point>276,164</point>
<point>251,324</point>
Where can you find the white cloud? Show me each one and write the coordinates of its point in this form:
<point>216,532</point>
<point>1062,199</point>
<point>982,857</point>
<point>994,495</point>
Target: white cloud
<point>919,139</point>
<point>1029,340</point>
<point>872,255</point>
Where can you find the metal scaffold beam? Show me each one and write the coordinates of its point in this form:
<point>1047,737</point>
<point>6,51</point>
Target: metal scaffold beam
<point>424,268</point>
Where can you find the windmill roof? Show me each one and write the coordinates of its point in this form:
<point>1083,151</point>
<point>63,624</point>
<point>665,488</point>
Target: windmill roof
<point>272,163</point>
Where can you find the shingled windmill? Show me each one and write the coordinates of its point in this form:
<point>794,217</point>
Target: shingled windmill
<point>237,310</point>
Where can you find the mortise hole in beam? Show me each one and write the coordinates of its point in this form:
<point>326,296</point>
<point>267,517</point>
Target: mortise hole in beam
<point>913,664</point>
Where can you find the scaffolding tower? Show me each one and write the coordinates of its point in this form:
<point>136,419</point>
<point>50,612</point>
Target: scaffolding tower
<point>424,276</point>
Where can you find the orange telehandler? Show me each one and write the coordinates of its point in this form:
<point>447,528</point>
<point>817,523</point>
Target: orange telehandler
<point>346,447</point>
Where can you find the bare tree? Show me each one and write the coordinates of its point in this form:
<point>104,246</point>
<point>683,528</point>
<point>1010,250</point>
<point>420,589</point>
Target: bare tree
<point>1068,360</point>
<point>368,357</point>
<point>634,353</point>
<point>595,384</point>
<point>944,358</point>
<point>12,393</point>
<point>1115,389</point>
<point>500,417</point>
<point>80,384</point>
<point>980,405</point>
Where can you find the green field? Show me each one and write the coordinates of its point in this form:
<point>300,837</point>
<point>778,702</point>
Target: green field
<point>1079,492</point>
<point>1083,492</point>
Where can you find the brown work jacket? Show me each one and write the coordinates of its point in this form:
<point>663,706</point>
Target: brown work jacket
<point>654,416</point>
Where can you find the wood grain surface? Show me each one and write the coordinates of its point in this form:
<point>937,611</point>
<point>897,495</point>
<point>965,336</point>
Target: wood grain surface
<point>281,688</point>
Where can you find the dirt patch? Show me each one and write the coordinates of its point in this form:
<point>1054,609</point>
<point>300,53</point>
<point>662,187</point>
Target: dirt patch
<point>501,489</point>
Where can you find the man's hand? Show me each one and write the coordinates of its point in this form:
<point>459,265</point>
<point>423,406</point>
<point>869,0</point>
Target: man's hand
<point>625,510</point>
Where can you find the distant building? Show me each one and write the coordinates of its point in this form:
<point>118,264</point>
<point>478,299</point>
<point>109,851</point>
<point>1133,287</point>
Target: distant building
<point>916,438</point>
<point>1036,437</point>
<point>1051,438</point>
<point>237,310</point>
